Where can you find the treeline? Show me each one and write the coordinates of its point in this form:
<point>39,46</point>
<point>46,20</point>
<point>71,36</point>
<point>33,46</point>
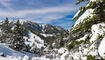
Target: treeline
<point>13,35</point>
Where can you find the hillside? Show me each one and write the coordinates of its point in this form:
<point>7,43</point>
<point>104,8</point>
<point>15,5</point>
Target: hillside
<point>26,40</point>
<point>41,41</point>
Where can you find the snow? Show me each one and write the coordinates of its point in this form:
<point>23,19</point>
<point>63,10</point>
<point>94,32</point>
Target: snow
<point>47,35</point>
<point>91,48</point>
<point>101,48</point>
<point>26,57</point>
<point>64,56</point>
<point>96,45</point>
<point>7,58</point>
<point>22,21</point>
<point>87,13</point>
<point>92,0</point>
<point>9,52</point>
<point>84,15</point>
<point>25,37</point>
<point>76,14</point>
<point>83,38</point>
<point>1,53</point>
<point>62,50</point>
<point>41,58</point>
<point>65,53</point>
<point>34,39</point>
<point>96,31</point>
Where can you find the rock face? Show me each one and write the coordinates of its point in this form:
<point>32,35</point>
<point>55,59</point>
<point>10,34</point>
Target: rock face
<point>45,28</point>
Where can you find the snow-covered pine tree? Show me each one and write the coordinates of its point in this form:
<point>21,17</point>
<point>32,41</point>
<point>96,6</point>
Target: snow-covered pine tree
<point>87,16</point>
<point>18,40</point>
<point>6,32</point>
<point>85,31</point>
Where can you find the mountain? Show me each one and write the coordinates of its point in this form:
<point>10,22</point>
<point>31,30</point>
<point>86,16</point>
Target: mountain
<point>40,39</point>
<point>84,41</point>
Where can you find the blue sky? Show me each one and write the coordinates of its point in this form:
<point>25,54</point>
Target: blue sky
<point>55,12</point>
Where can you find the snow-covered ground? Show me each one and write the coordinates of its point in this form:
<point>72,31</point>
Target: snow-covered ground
<point>7,53</point>
<point>10,54</point>
<point>36,40</point>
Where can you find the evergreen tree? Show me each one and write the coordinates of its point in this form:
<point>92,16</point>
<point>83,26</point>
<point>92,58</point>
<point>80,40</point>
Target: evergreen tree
<point>18,40</point>
<point>97,15</point>
<point>6,32</point>
<point>98,7</point>
<point>59,42</point>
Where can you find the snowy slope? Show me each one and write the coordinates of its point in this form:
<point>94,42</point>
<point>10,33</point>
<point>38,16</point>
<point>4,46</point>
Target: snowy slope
<point>10,54</point>
<point>7,58</point>
<point>36,40</point>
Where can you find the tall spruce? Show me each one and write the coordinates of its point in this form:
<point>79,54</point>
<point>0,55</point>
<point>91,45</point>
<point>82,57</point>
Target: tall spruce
<point>6,32</point>
<point>18,40</point>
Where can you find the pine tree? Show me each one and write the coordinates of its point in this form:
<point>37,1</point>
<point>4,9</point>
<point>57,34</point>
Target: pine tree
<point>6,32</point>
<point>97,16</point>
<point>98,7</point>
<point>18,40</point>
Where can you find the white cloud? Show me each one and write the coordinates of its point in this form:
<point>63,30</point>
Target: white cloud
<point>6,4</point>
<point>41,15</point>
<point>58,9</point>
